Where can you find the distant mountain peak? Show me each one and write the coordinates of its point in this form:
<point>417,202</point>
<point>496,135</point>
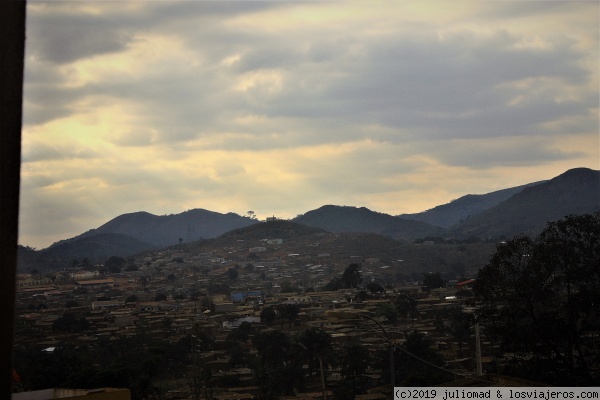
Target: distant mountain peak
<point>465,207</point>
<point>361,219</point>
<point>577,192</point>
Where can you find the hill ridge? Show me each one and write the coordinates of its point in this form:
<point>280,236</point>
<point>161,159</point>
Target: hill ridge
<point>527,210</point>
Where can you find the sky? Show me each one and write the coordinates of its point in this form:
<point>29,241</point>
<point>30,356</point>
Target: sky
<point>281,107</point>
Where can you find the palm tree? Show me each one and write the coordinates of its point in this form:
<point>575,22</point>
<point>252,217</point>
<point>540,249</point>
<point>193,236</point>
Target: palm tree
<point>354,362</point>
<point>278,369</point>
<point>317,344</point>
<point>406,305</point>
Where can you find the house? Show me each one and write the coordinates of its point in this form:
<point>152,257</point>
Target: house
<point>24,280</point>
<point>298,300</point>
<point>468,284</point>
<point>234,324</point>
<point>101,305</point>
<point>225,307</point>
<point>241,297</point>
<point>96,282</point>
<point>79,275</point>
<point>61,393</point>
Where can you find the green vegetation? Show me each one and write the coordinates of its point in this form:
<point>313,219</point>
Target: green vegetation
<point>114,264</point>
<point>278,370</point>
<point>433,280</point>
<point>351,278</point>
<point>132,298</point>
<point>70,323</point>
<point>417,364</point>
<point>127,362</point>
<point>539,301</point>
<point>354,361</point>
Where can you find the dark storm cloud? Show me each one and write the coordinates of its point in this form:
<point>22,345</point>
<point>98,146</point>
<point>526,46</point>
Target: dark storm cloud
<point>457,85</point>
<point>45,102</point>
<point>63,39</point>
<point>481,154</point>
<point>60,35</point>
<point>443,86</point>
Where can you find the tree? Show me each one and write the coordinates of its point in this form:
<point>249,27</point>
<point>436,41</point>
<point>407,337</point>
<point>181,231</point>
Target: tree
<point>406,305</point>
<point>195,294</point>
<point>316,343</point>
<point>240,334</point>
<point>388,311</point>
<point>238,354</point>
<point>351,277</point>
<point>354,362</point>
<point>71,303</point>
<point>232,274</point>
<point>268,315</point>
<point>539,299</point>
<point>334,284</point>
<point>289,312</point>
<point>132,298</point>
<point>160,297</point>
<point>114,264</point>
<point>287,287</point>
<point>362,295</point>
<point>459,326</point>
<point>375,287</point>
<point>167,322</point>
<point>433,280</point>
<point>272,347</point>
<point>415,361</point>
<point>218,288</point>
<point>131,268</point>
<point>278,369</point>
<point>69,323</point>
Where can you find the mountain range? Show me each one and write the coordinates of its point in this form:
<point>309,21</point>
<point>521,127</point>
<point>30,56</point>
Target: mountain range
<point>501,214</point>
<point>166,230</point>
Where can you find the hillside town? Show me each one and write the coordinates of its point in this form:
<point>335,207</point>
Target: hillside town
<point>247,292</point>
<point>246,317</point>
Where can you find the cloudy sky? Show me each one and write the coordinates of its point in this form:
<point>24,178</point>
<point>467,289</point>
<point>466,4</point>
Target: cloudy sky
<point>281,107</point>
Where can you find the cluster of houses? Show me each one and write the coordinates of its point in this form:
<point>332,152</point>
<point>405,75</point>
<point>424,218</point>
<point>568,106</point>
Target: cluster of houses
<point>176,291</point>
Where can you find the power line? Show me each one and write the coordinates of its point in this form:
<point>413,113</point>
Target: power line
<point>420,359</point>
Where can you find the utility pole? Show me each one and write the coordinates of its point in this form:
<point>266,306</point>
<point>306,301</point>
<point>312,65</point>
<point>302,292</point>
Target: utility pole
<point>477,342</point>
<point>195,377</point>
<point>478,349</point>
<point>322,377</point>
<point>204,372</point>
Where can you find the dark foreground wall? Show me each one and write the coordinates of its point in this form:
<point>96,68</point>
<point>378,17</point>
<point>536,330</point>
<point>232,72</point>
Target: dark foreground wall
<point>12,49</point>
